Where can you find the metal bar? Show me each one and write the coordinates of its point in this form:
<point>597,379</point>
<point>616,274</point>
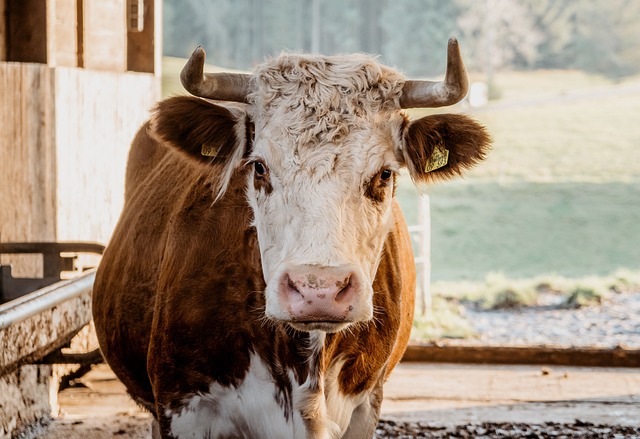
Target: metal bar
<point>51,247</point>
<point>31,304</point>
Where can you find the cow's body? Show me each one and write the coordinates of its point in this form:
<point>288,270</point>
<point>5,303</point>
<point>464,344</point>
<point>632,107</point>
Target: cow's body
<point>198,304</point>
<point>210,335</point>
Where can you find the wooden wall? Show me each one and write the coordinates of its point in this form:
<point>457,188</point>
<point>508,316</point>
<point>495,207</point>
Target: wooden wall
<point>62,31</point>
<point>64,138</point>
<point>27,161</point>
<point>81,33</point>
<point>97,116</point>
<point>104,30</point>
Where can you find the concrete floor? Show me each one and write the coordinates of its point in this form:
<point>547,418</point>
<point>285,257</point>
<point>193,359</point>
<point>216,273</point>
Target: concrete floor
<point>439,394</point>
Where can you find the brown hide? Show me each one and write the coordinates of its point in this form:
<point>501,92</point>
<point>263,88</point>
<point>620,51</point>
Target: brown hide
<point>178,300</point>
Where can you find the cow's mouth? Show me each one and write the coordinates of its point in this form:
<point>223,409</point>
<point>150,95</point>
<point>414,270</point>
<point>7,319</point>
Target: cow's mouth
<point>326,326</point>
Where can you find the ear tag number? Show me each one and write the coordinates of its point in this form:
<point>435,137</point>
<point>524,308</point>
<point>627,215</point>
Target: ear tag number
<point>439,158</point>
<point>209,151</point>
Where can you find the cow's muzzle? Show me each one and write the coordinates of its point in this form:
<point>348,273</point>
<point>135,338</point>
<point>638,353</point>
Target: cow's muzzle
<point>323,298</point>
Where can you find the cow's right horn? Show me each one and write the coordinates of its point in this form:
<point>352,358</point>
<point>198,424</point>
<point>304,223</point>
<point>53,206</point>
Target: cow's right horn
<point>218,86</point>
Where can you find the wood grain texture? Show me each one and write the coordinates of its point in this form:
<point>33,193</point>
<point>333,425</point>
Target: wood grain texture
<point>104,35</point>
<point>27,31</point>
<point>64,139</point>
<point>97,116</point>
<point>62,29</point>
<point>143,49</point>
<point>27,162</point>
<point>3,30</point>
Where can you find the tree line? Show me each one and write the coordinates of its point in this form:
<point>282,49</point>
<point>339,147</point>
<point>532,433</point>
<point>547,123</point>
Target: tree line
<point>598,36</point>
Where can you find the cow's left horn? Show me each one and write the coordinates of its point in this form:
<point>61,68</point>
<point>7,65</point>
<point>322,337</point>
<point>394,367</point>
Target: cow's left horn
<point>453,89</point>
<point>218,86</point>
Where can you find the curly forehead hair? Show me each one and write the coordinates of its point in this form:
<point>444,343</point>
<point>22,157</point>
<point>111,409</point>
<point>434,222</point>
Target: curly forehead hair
<point>322,98</point>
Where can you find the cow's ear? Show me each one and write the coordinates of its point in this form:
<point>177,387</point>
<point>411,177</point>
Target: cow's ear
<point>206,132</point>
<point>442,146</point>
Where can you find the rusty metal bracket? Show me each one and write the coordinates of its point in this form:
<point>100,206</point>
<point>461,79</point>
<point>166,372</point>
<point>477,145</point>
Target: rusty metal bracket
<point>53,264</point>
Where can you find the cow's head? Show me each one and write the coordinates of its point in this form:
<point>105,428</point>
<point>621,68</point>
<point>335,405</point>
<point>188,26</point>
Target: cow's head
<point>325,138</point>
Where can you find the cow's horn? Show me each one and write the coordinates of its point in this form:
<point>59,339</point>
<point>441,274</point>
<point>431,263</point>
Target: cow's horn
<point>439,93</point>
<point>218,86</point>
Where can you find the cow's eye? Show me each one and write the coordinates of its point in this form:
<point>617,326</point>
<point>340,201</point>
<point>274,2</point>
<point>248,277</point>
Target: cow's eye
<point>260,168</point>
<point>385,175</point>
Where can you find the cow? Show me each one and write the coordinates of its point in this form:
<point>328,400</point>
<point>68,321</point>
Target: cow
<point>260,281</point>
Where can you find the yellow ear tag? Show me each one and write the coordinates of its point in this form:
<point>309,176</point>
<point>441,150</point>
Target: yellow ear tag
<point>439,158</point>
<point>209,151</point>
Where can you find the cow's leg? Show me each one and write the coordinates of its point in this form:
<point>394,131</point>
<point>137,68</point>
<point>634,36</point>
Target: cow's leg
<point>364,419</point>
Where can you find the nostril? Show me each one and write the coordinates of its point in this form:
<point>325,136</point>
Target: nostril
<point>292,285</point>
<point>343,288</point>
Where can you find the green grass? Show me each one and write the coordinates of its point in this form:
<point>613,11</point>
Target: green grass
<point>526,229</point>
<point>445,321</point>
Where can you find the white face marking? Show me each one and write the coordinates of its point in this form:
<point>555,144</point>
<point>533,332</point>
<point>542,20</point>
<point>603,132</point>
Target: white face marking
<point>324,130</point>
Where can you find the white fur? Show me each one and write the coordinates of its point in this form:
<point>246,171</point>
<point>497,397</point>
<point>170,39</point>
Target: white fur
<point>325,126</point>
<point>251,411</point>
<point>340,407</point>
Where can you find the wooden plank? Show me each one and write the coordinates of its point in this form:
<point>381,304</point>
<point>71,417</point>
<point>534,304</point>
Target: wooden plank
<point>97,116</point>
<point>27,31</point>
<point>104,35</point>
<point>543,355</point>
<point>144,48</point>
<point>62,42</point>
<point>3,30</point>
<point>27,167</point>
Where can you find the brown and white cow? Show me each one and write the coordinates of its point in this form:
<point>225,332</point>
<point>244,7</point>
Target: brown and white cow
<point>260,282</point>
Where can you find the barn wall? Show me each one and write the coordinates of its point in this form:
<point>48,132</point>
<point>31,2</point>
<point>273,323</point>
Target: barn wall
<point>64,138</point>
<point>62,31</point>
<point>97,116</point>
<point>27,159</point>
<point>104,30</point>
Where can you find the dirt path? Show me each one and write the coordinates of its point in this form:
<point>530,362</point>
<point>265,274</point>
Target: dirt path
<point>418,398</point>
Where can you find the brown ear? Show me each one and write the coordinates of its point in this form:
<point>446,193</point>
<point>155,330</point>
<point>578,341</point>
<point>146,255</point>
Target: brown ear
<point>201,130</point>
<point>442,146</point>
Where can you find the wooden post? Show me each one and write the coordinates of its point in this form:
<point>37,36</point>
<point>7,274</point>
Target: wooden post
<point>144,49</point>
<point>26,35</point>
<point>426,301</point>
<point>3,30</point>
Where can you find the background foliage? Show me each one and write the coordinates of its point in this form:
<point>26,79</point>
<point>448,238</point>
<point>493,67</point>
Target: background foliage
<point>595,36</point>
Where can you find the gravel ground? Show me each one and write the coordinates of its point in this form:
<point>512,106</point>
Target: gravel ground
<point>615,322</point>
<point>391,429</point>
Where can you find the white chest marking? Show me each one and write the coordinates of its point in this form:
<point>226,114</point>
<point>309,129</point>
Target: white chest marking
<point>251,410</point>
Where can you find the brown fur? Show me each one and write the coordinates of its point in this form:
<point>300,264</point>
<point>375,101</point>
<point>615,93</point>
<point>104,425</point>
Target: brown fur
<point>467,141</point>
<point>178,302</point>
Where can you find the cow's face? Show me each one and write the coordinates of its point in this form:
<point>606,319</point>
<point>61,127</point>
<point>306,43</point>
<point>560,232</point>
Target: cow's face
<point>329,140</point>
<point>324,166</point>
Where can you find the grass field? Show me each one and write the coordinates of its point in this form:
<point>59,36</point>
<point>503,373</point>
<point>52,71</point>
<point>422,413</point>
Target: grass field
<point>559,192</point>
